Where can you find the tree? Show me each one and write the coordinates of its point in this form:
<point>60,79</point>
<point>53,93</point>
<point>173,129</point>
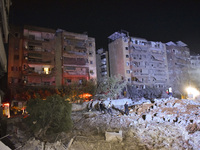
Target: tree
<point>75,89</point>
<point>49,116</point>
<point>110,87</point>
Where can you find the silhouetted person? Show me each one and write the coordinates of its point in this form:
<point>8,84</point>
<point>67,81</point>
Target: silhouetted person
<point>109,109</point>
<point>101,106</point>
<point>126,108</point>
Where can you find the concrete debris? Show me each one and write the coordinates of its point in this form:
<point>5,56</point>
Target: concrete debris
<point>113,136</point>
<point>160,124</point>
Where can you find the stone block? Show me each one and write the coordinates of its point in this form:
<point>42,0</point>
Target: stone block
<point>114,136</point>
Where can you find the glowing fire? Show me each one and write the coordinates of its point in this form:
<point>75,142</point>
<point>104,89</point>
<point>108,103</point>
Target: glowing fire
<point>85,95</point>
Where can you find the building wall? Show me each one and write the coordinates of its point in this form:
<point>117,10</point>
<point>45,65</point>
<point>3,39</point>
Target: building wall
<point>139,61</point>
<point>79,58</point>
<point>102,64</point>
<point>117,57</point>
<point>178,63</point>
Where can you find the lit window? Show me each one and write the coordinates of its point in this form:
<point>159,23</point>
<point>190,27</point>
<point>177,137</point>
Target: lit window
<point>46,70</point>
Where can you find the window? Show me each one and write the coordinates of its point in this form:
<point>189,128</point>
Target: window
<point>46,70</point>
<point>31,48</point>
<point>128,71</point>
<point>126,48</point>
<point>16,34</point>
<point>32,37</point>
<point>16,57</point>
<point>80,81</point>
<point>127,56</point>
<point>12,68</point>
<point>68,81</point>
<point>91,72</point>
<point>127,63</point>
<point>46,83</point>
<point>90,53</point>
<point>91,62</point>
<point>90,44</point>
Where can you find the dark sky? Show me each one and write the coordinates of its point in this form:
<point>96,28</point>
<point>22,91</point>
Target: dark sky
<point>156,20</point>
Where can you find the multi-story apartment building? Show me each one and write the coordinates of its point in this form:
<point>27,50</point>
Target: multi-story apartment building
<point>4,31</point>
<point>78,57</point>
<point>102,63</point>
<point>138,61</point>
<point>194,70</point>
<point>178,56</point>
<point>31,57</point>
<point>46,57</point>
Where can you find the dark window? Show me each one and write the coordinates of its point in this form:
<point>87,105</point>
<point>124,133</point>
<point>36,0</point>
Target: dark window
<point>127,56</point>
<point>126,48</point>
<point>16,57</point>
<point>12,68</point>
<point>46,83</point>
<point>32,37</point>
<point>90,53</point>
<point>16,34</point>
<point>69,80</point>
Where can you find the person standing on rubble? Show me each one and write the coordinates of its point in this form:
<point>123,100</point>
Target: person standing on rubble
<point>170,91</point>
<point>101,106</point>
<point>91,103</point>
<point>126,108</point>
<point>109,108</point>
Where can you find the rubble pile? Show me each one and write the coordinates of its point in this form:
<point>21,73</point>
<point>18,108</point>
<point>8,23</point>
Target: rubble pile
<point>161,124</point>
<point>167,123</point>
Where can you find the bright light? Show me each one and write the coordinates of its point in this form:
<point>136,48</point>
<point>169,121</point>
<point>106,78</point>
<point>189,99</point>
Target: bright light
<point>192,91</point>
<point>46,70</point>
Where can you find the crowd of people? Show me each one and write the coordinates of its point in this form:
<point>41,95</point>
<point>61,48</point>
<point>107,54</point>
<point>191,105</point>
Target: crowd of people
<point>108,109</point>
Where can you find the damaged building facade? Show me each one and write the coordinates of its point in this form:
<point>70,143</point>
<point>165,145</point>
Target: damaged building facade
<point>49,58</point>
<point>194,71</point>
<point>102,64</point>
<point>178,58</point>
<point>138,61</point>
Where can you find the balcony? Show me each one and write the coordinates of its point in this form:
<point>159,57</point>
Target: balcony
<point>103,66</point>
<point>39,61</point>
<point>103,60</point>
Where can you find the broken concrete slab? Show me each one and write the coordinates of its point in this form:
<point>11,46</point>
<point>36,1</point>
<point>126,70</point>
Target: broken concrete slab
<point>113,136</point>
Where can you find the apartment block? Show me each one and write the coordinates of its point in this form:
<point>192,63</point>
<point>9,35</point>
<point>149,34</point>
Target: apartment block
<point>138,61</point>
<point>42,57</point>
<point>77,53</point>
<point>31,58</point>
<point>178,55</point>
<point>102,63</point>
<point>194,70</point>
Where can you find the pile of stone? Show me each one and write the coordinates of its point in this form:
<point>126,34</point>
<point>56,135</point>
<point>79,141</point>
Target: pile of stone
<point>161,124</point>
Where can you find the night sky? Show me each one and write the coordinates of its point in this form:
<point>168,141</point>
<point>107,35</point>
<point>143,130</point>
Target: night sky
<point>154,20</point>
